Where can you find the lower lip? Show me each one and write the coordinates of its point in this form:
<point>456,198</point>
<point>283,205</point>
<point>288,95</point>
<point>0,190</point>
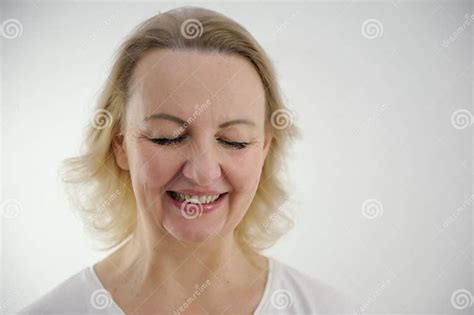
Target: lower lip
<point>194,210</point>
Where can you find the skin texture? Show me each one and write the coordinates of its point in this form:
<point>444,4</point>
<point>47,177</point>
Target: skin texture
<point>157,270</point>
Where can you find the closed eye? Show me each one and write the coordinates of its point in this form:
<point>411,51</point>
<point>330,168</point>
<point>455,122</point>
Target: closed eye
<point>167,141</point>
<point>236,145</point>
<point>170,141</point>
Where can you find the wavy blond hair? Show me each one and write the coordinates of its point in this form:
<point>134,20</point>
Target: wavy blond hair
<point>101,191</point>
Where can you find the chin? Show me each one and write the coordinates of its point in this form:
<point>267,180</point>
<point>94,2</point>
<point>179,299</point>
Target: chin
<point>193,232</point>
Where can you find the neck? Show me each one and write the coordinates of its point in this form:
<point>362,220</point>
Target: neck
<point>151,258</point>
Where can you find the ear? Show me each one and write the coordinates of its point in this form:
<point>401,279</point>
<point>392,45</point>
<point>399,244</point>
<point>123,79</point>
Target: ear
<point>119,151</point>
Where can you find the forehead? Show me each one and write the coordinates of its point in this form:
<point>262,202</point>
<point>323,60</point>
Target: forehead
<point>178,81</point>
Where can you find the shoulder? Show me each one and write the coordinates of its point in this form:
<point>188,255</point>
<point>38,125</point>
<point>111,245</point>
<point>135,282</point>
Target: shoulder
<point>293,292</point>
<point>72,296</point>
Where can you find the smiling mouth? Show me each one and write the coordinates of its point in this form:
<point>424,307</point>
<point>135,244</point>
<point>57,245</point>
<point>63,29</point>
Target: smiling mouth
<point>174,195</point>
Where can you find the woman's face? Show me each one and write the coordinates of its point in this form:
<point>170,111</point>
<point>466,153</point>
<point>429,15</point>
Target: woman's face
<point>195,126</point>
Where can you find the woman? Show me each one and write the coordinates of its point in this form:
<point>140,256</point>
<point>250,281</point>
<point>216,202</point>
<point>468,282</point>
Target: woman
<point>181,169</point>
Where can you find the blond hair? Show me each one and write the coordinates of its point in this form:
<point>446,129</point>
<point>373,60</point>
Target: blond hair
<point>101,191</point>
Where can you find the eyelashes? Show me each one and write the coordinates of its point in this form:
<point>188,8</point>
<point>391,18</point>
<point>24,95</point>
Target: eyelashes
<point>172,141</point>
<point>167,141</point>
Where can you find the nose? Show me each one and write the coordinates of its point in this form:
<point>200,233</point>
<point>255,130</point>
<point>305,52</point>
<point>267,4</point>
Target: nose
<point>202,167</point>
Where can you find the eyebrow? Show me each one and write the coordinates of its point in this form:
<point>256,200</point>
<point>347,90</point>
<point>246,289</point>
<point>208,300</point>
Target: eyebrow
<point>181,122</point>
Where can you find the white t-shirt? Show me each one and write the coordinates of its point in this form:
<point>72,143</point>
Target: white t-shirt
<point>287,291</point>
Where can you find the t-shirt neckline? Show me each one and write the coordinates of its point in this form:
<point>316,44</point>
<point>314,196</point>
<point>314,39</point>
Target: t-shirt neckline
<point>100,286</point>
<point>268,284</point>
<point>266,290</point>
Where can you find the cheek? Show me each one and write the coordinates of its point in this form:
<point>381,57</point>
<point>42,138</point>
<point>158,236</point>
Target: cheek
<point>244,170</point>
<point>153,167</point>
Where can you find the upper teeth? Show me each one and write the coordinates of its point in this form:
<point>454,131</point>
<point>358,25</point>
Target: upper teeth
<point>196,199</point>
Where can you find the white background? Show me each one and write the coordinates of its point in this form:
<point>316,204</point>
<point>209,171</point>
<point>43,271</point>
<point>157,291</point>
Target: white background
<point>377,121</point>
